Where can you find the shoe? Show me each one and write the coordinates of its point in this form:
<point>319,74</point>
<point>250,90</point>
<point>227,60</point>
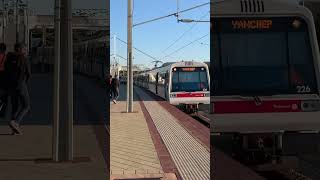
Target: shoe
<point>114,101</point>
<point>16,134</point>
<point>15,127</point>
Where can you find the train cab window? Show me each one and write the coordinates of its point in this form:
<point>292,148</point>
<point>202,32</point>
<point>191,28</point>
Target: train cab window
<point>302,71</point>
<point>239,64</point>
<point>276,59</point>
<point>189,79</point>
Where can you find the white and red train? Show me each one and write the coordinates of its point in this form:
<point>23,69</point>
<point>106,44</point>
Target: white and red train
<point>266,70</point>
<point>184,84</point>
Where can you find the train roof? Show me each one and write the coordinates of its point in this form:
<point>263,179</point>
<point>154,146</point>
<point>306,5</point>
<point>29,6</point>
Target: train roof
<point>314,7</point>
<point>257,7</point>
<point>171,65</point>
<point>167,64</point>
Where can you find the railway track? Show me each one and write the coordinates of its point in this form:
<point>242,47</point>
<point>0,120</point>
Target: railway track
<point>203,120</point>
<point>288,174</point>
<point>280,173</point>
<point>293,175</point>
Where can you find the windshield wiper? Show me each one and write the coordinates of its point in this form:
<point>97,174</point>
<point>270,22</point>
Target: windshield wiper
<point>256,99</point>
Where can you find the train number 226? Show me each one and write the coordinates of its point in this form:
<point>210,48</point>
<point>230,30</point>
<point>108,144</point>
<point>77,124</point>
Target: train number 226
<point>303,89</point>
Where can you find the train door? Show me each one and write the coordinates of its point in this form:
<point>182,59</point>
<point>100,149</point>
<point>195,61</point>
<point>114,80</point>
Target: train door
<point>147,81</point>
<point>157,79</point>
<point>166,85</point>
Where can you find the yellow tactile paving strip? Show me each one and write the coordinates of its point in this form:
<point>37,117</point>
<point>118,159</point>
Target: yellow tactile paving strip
<point>131,148</point>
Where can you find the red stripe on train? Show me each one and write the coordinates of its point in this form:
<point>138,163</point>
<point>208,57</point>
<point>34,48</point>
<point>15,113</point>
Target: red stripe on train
<point>184,95</point>
<point>253,107</point>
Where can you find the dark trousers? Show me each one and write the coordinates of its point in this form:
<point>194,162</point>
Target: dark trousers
<point>115,93</point>
<point>3,101</point>
<point>3,94</point>
<point>21,103</point>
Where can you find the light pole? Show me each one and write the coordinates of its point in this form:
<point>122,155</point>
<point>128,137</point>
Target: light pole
<point>63,83</point>
<point>56,94</point>
<point>3,21</point>
<point>27,33</point>
<point>17,20</point>
<point>114,49</point>
<point>66,83</point>
<point>129,64</point>
<point>177,11</point>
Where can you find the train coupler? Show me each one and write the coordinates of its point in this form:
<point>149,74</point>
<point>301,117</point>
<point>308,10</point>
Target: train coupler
<point>191,108</point>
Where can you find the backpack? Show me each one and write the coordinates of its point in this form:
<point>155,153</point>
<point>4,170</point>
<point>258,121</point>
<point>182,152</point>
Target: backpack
<point>12,68</point>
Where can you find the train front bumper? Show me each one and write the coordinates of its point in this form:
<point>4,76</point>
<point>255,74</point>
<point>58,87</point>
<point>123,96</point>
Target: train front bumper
<point>265,122</point>
<point>189,100</point>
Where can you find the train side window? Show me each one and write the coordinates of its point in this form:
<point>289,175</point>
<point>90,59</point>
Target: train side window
<point>152,79</point>
<point>161,78</point>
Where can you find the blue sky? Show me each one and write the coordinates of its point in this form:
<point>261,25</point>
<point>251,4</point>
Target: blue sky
<point>153,38</point>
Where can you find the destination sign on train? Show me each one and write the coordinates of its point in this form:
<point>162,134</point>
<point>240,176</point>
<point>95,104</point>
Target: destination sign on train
<point>188,69</point>
<point>252,24</point>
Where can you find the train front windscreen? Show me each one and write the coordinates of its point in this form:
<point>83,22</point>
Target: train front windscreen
<point>189,79</point>
<point>262,56</point>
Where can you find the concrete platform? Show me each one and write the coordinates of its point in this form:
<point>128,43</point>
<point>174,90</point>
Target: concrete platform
<point>27,157</point>
<point>132,150</point>
<point>222,167</point>
<point>190,156</point>
<point>165,176</point>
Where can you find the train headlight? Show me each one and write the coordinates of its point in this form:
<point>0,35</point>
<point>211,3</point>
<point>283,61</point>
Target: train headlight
<point>296,24</point>
<point>310,105</point>
<point>173,95</point>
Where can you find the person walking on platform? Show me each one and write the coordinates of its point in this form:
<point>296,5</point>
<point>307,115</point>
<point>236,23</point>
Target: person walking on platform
<point>3,83</point>
<point>109,84</point>
<point>18,73</point>
<point>110,80</point>
<point>115,89</point>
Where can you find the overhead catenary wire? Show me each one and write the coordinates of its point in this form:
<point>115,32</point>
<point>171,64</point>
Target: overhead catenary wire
<point>155,19</point>
<point>172,14</point>
<point>205,44</point>
<point>185,46</point>
<point>188,30</point>
<point>118,56</point>
<point>146,54</point>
